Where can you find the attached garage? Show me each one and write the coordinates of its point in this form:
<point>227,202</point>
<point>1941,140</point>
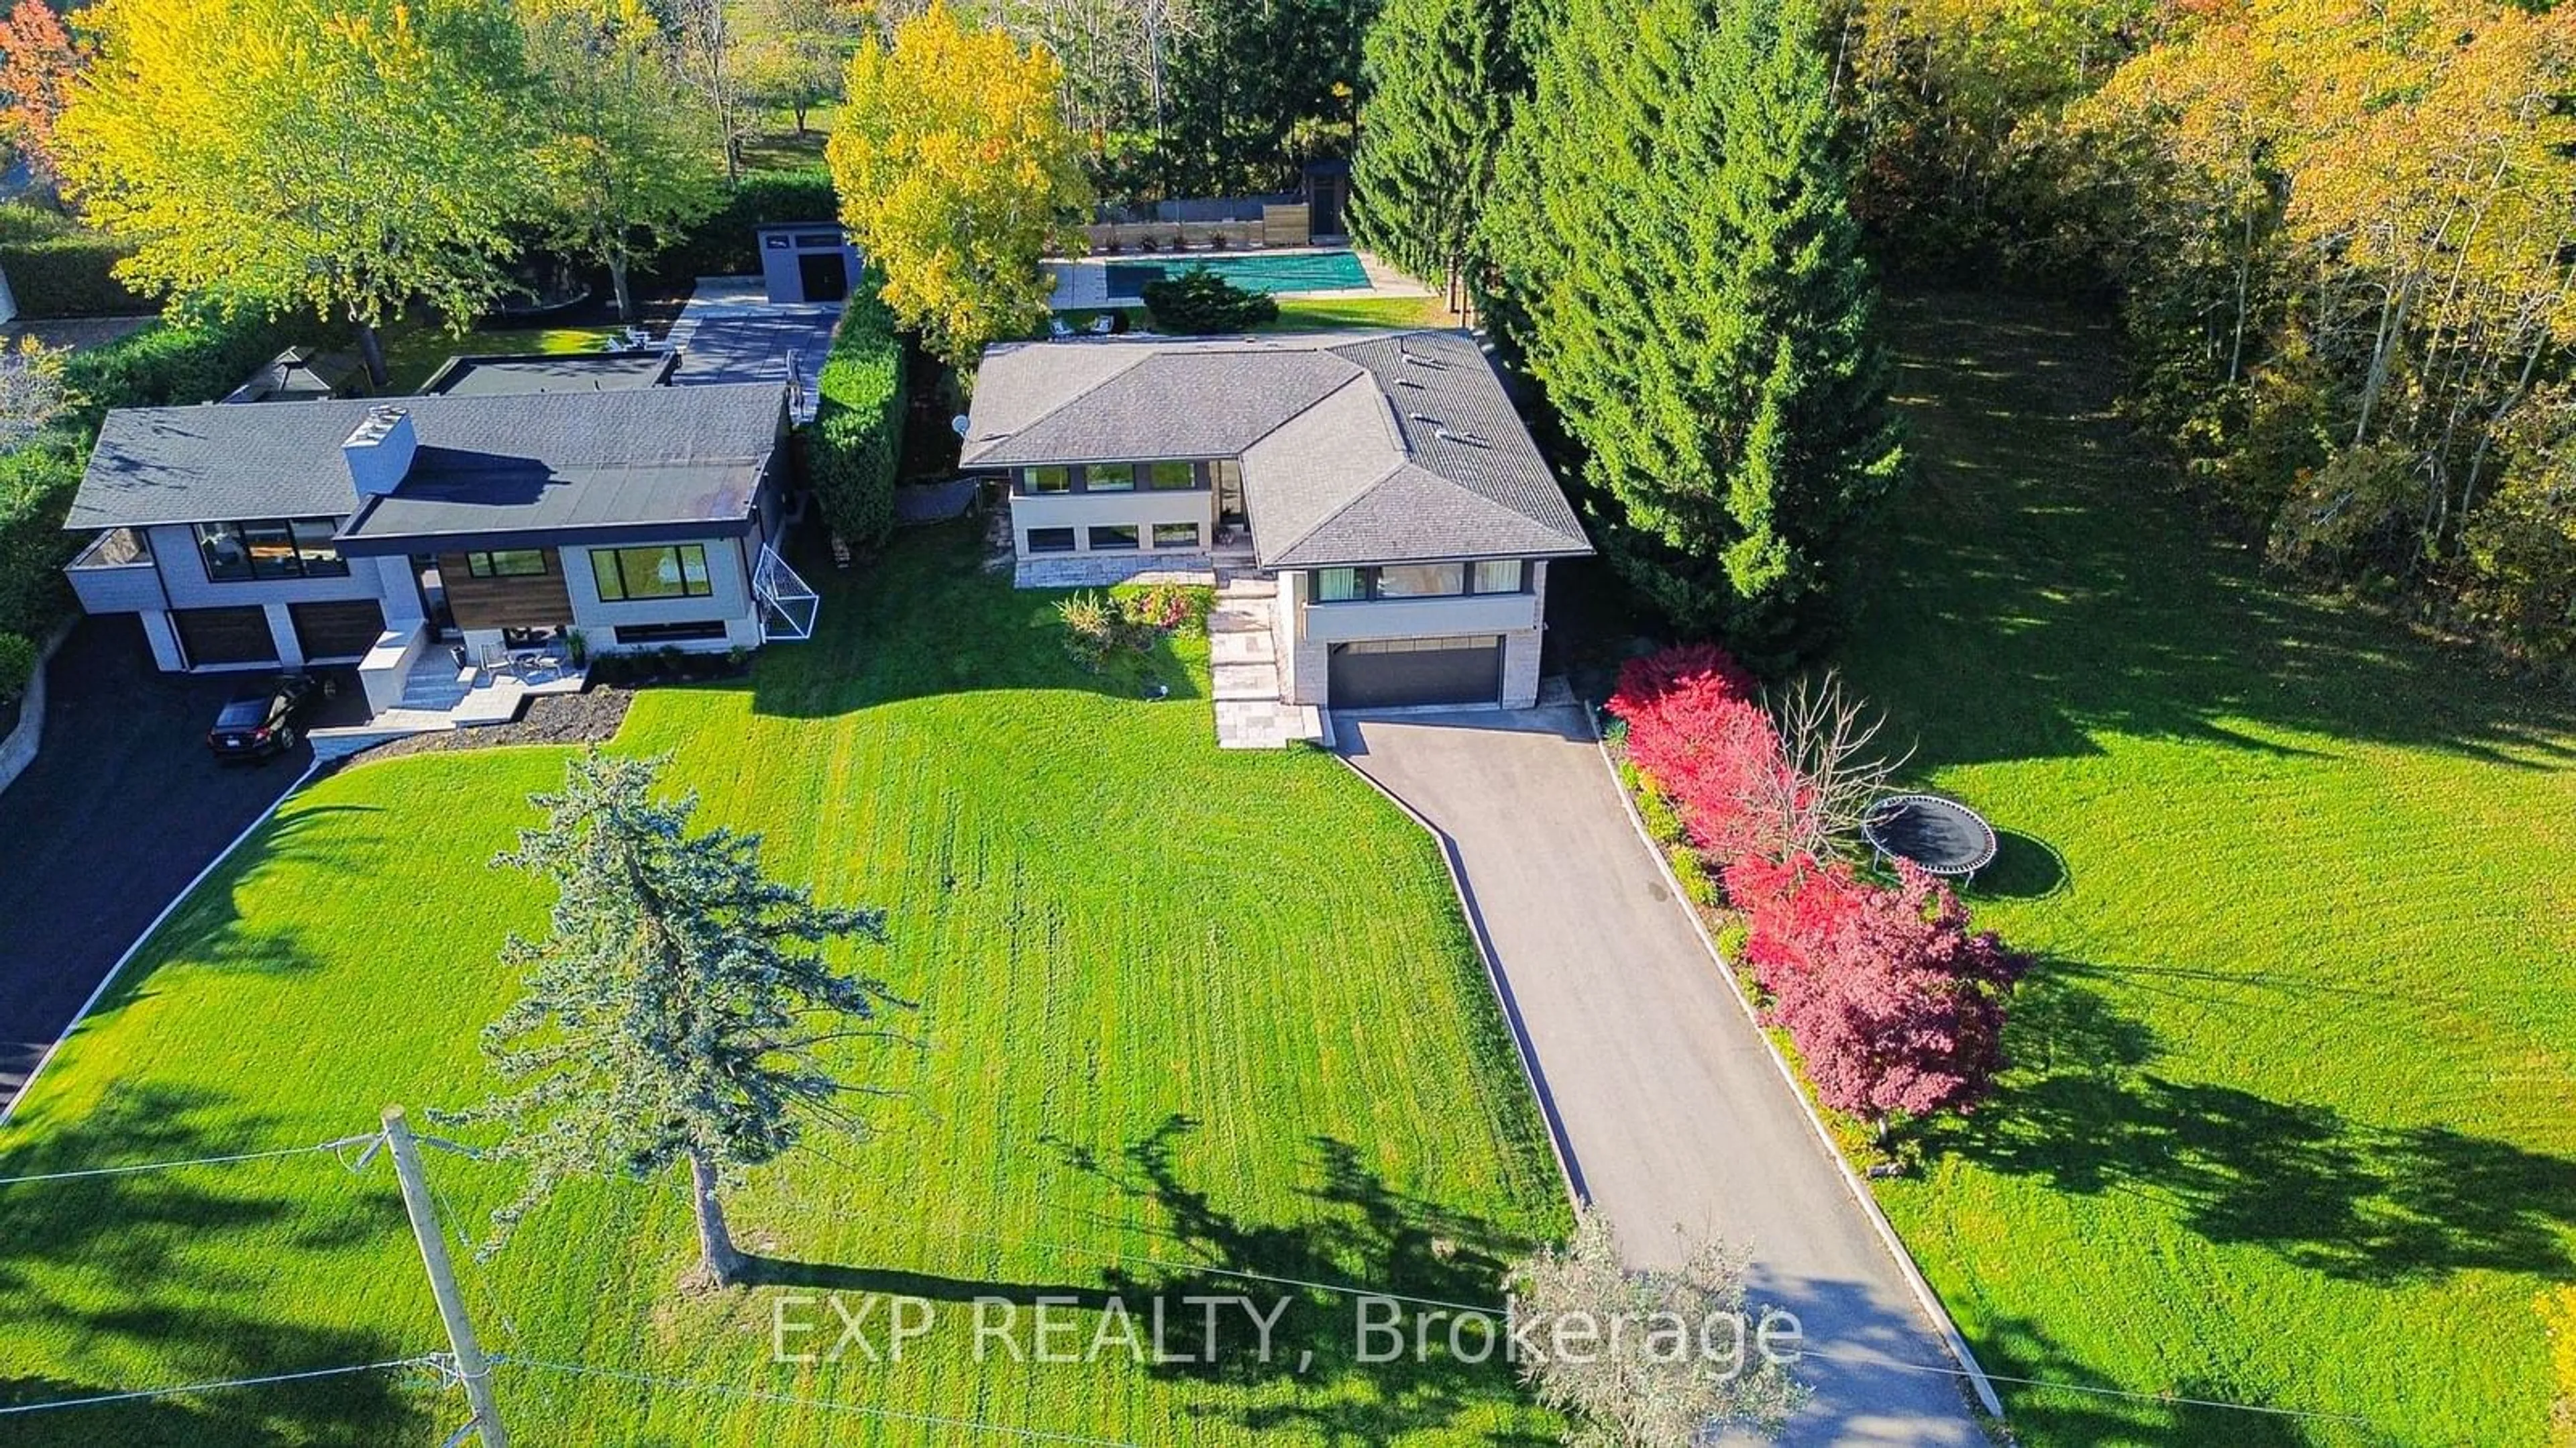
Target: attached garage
<point>1391,673</point>
<point>216,636</point>
<point>342,630</point>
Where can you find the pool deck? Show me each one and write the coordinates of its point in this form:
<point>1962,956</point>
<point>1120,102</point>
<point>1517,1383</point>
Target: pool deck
<point>1082,283</point>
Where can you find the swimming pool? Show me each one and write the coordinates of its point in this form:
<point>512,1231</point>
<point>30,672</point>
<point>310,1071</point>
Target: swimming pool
<point>1309,271</point>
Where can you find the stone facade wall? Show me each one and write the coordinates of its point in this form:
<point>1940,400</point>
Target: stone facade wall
<point>1100,570</point>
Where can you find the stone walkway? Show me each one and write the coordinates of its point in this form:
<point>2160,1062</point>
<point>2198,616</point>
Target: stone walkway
<point>1244,662</point>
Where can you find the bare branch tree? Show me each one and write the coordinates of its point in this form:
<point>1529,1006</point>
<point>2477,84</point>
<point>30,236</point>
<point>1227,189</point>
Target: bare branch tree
<point>1832,769</point>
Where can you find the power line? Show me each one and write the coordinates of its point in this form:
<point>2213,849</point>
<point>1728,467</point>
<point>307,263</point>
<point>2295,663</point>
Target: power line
<point>891,1415</point>
<point>151,1166</point>
<point>138,1394</point>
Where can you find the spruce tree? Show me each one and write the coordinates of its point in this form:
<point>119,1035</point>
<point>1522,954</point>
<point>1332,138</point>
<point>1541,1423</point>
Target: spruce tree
<point>1678,266</point>
<point>1818,446</point>
<point>678,1011</point>
<point>1438,76</point>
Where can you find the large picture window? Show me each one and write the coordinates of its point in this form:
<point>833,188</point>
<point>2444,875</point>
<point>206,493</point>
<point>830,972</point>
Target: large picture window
<point>268,548</point>
<point>1420,580</point>
<point>634,574</point>
<point>1171,477</point>
<point>1047,480</point>
<point>1109,478</point>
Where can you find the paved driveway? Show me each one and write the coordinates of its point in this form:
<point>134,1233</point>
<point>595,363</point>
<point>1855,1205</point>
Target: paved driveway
<point>1674,1111</point>
<point>118,812</point>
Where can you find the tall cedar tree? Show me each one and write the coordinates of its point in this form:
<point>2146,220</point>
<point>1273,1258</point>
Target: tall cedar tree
<point>1439,74</point>
<point>678,1011</point>
<point>1680,267</point>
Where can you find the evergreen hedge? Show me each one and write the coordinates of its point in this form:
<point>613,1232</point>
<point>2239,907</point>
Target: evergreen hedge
<point>67,276</point>
<point>856,440</point>
<point>724,243</point>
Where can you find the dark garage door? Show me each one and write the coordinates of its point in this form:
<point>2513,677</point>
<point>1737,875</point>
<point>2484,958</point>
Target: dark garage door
<point>1384,673</point>
<point>225,636</point>
<point>343,630</point>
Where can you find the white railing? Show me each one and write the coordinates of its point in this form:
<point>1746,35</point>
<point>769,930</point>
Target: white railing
<point>788,604</point>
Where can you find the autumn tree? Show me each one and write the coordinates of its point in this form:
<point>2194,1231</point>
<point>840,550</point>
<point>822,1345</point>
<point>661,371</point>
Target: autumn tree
<point>380,159</point>
<point>1439,76</point>
<point>628,155</point>
<point>1665,1377</point>
<point>679,1012</point>
<point>38,59</point>
<point>957,173</point>
<point>1896,1007</point>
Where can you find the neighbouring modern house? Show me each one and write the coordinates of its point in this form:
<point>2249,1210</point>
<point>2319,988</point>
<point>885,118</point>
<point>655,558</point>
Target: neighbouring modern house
<point>1382,479</point>
<point>479,522</point>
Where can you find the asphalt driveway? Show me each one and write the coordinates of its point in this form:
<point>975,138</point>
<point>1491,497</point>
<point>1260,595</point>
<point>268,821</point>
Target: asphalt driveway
<point>118,812</point>
<point>1674,1112</point>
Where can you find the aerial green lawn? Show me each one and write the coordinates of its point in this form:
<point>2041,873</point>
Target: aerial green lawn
<point>1181,1014</point>
<point>415,347</point>
<point>2290,1121</point>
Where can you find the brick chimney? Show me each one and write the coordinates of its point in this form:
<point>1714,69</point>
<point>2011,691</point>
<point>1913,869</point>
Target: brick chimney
<point>379,453</point>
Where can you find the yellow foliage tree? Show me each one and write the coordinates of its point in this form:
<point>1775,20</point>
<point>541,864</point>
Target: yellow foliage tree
<point>957,172</point>
<point>351,156</point>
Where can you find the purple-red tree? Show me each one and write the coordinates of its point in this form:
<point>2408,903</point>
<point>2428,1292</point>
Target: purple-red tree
<point>1695,732</point>
<point>1895,1006</point>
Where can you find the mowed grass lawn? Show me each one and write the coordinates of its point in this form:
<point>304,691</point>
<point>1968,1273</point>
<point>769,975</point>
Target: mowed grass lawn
<point>1181,1014</point>
<point>2291,1122</point>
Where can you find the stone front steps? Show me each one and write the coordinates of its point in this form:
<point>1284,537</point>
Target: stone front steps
<point>1243,660</point>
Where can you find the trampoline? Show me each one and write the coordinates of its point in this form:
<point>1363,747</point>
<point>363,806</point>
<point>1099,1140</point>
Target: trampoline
<point>1941,836</point>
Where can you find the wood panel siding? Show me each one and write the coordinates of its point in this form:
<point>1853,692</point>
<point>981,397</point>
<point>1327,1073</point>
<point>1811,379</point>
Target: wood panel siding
<point>534,601</point>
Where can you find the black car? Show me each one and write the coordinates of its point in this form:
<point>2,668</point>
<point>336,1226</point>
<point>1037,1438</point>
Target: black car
<point>258,724</point>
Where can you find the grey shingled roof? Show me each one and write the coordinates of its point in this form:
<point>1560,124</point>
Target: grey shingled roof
<point>485,464</point>
<point>1382,448</point>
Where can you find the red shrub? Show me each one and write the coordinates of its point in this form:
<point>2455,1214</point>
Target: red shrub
<point>1893,1004</point>
<point>1695,731</point>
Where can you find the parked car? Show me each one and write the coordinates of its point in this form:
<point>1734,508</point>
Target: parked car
<point>263,722</point>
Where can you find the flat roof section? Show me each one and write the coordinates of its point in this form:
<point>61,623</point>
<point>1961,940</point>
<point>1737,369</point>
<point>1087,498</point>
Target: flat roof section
<point>517,374</point>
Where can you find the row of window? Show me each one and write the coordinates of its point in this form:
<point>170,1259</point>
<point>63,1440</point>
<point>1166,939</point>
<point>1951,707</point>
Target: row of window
<point>674,570</point>
<point>1112,478</point>
<point>265,548</point>
<point>1114,538</point>
<point>1420,580</point>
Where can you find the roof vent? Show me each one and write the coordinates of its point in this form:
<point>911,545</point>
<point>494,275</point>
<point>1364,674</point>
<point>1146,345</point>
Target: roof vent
<point>380,451</point>
<point>1467,438</point>
<point>1423,417</point>
<point>1408,382</point>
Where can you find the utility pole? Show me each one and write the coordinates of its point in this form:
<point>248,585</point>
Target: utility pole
<point>470,1365</point>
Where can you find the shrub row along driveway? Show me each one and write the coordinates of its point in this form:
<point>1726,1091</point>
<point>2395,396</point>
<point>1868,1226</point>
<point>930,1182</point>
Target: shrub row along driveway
<point>1674,1113</point>
<point>118,812</point>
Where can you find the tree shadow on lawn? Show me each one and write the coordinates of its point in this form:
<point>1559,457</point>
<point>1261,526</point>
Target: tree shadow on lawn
<point>2041,580</point>
<point>154,1263</point>
<point>2353,1200</point>
<point>926,619</point>
<point>2113,1412</point>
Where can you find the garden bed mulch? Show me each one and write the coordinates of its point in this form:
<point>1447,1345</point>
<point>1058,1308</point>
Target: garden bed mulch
<point>590,717</point>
